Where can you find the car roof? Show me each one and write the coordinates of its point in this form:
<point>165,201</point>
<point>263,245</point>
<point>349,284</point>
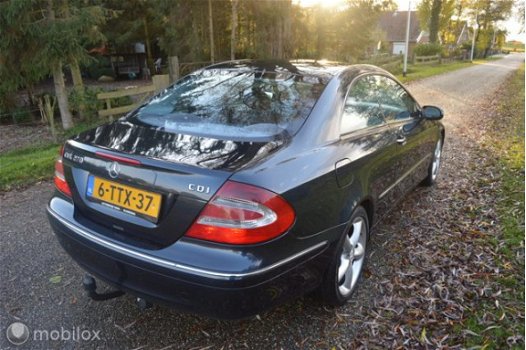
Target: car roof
<point>322,69</point>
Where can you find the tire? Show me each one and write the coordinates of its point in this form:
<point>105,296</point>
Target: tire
<point>434,166</point>
<point>339,283</point>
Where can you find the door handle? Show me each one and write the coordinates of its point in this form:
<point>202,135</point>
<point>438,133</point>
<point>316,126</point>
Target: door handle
<point>401,140</point>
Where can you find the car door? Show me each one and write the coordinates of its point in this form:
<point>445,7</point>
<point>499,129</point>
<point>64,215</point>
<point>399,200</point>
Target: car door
<point>368,144</point>
<point>402,113</point>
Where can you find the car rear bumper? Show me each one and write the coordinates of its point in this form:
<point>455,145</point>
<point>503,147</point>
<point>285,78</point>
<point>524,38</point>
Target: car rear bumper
<point>155,277</point>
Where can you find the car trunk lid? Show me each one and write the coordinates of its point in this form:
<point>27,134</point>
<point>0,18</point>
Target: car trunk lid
<point>183,170</point>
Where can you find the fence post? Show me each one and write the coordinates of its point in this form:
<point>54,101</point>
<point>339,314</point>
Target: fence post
<point>173,68</point>
<point>48,111</point>
<point>160,82</point>
<point>108,106</point>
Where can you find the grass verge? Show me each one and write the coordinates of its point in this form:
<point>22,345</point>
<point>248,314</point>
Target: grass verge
<point>28,165</point>
<point>507,144</point>
<point>425,71</point>
<point>32,164</point>
<point>428,70</point>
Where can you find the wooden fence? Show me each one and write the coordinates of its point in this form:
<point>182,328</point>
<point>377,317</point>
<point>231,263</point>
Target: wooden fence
<point>160,82</point>
<point>391,63</point>
<point>426,59</point>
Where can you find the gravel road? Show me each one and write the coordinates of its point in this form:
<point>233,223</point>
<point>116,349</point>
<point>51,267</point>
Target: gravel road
<point>40,285</point>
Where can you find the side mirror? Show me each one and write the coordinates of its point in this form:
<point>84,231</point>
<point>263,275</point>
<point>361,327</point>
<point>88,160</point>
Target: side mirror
<point>432,113</point>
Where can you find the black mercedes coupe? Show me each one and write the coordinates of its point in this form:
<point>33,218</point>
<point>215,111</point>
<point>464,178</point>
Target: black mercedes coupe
<point>243,184</point>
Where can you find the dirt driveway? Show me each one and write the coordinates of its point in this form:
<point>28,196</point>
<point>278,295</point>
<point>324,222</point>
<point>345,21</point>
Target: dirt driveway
<point>413,292</point>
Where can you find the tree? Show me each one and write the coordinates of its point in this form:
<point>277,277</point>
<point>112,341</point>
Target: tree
<point>55,63</point>
<point>436,7</point>
<point>179,37</point>
<point>271,22</point>
<point>324,33</point>
<point>487,13</point>
<point>134,21</point>
<point>520,14</point>
<point>63,36</point>
<point>39,37</point>
<point>19,66</point>
<point>233,33</point>
<point>85,19</point>
<point>435,17</point>
<point>356,27</point>
<point>211,28</point>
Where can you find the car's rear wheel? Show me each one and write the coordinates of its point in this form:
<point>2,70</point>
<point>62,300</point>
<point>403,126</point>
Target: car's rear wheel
<point>347,264</point>
<point>434,167</point>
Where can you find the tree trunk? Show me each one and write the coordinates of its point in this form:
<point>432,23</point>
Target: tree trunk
<point>31,98</point>
<point>48,110</point>
<point>434,24</point>
<point>58,80</point>
<point>211,26</point>
<point>460,10</point>
<point>62,96</point>
<point>287,32</point>
<point>78,85</point>
<point>173,68</point>
<point>320,37</point>
<point>234,30</point>
<point>149,57</point>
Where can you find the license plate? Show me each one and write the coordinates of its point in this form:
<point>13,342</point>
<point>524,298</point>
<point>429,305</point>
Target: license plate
<point>124,198</point>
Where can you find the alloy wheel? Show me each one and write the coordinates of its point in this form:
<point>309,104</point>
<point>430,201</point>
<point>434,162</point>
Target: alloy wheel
<point>352,257</point>
<point>436,160</point>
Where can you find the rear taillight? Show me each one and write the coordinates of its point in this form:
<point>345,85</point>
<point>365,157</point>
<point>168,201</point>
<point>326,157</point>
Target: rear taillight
<point>60,180</point>
<point>243,214</point>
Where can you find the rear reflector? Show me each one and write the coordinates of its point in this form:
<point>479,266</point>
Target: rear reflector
<point>60,179</point>
<point>243,214</point>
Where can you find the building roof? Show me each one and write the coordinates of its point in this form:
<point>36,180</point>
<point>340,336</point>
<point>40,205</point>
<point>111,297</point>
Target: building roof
<point>394,25</point>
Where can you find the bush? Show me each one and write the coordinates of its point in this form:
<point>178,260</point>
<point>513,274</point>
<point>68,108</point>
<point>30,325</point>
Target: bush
<point>454,52</point>
<point>17,115</point>
<point>428,49</point>
<point>98,67</point>
<point>91,104</point>
<point>466,45</point>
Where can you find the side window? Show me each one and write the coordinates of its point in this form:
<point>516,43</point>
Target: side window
<point>396,103</point>
<point>374,100</point>
<point>362,106</point>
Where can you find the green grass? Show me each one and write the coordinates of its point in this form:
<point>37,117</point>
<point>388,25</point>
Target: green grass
<point>415,72</point>
<point>508,146</point>
<point>26,166</point>
<point>428,70</point>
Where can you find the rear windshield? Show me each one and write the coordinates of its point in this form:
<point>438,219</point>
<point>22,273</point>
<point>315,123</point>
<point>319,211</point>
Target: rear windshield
<point>226,103</point>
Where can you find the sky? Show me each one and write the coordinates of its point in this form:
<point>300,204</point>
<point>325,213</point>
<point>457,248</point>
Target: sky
<point>511,25</point>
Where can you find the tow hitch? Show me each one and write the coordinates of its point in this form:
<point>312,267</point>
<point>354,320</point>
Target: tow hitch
<point>90,286</point>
